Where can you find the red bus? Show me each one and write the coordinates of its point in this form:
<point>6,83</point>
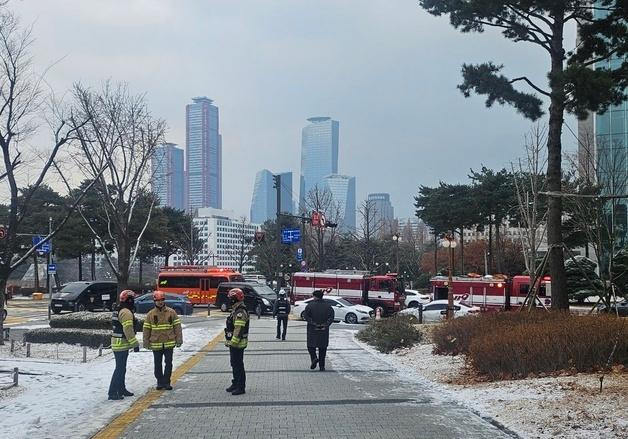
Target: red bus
<point>198,282</point>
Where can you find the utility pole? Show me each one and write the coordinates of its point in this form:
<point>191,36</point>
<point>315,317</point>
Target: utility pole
<point>49,260</point>
<point>277,186</point>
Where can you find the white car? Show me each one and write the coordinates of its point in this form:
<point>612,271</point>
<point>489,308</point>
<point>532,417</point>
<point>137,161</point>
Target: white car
<point>343,309</point>
<point>437,310</point>
<point>413,298</point>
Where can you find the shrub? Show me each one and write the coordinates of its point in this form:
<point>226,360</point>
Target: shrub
<point>92,338</point>
<point>389,334</point>
<point>88,320</point>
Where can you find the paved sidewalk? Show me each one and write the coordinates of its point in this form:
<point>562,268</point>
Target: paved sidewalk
<point>358,396</point>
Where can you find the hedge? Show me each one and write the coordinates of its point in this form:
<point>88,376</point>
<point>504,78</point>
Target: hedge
<point>392,333</point>
<point>92,338</point>
<point>89,320</point>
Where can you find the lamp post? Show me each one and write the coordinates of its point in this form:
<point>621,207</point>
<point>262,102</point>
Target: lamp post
<point>450,242</point>
<point>396,237</point>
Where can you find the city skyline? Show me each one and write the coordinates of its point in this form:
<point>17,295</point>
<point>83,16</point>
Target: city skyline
<point>397,116</point>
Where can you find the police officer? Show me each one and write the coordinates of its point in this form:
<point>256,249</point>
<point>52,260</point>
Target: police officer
<point>236,339</point>
<point>162,332</point>
<point>319,316</point>
<point>122,339</point>
<point>281,310</point>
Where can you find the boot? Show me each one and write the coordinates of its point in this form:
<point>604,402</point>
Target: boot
<point>115,397</point>
<point>231,388</point>
<point>238,392</point>
<point>314,363</point>
<point>125,392</point>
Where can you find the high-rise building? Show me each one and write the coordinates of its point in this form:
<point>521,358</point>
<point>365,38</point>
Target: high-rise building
<point>264,201</point>
<point>319,154</point>
<point>382,213</point>
<point>342,189</point>
<point>204,155</point>
<point>168,179</point>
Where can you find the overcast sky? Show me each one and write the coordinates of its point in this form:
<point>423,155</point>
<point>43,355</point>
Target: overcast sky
<point>385,69</point>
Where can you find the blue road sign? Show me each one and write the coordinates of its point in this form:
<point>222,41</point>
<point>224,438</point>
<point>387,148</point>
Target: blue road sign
<point>42,248</point>
<point>52,268</point>
<point>290,236</point>
<point>299,254</point>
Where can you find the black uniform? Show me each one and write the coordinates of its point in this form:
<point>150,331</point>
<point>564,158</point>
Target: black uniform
<point>237,337</point>
<point>281,310</point>
<point>319,316</point>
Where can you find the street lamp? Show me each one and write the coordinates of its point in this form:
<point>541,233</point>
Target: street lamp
<point>396,237</point>
<point>450,242</point>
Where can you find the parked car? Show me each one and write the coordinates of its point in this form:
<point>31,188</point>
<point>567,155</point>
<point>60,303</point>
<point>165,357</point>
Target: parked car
<point>85,296</point>
<point>343,310</point>
<point>259,298</point>
<point>413,298</point>
<point>621,308</point>
<point>181,304</point>
<point>437,310</point>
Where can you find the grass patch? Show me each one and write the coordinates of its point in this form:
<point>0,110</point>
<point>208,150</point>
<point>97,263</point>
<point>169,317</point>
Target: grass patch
<point>511,345</point>
<point>389,334</point>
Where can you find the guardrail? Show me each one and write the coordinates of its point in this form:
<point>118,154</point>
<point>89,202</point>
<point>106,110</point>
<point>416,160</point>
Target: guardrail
<point>52,351</point>
<point>15,374</point>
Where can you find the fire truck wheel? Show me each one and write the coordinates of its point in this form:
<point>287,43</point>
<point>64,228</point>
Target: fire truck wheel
<point>351,318</point>
<point>413,305</point>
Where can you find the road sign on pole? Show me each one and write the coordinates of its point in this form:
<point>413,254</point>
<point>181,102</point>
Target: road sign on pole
<point>290,236</point>
<point>299,254</point>
<point>52,268</point>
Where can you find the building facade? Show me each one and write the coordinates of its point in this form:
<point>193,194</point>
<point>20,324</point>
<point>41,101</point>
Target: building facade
<point>168,177</point>
<point>226,238</point>
<point>204,155</point>
<point>264,201</point>
<point>342,189</point>
<point>319,154</point>
<point>382,212</point>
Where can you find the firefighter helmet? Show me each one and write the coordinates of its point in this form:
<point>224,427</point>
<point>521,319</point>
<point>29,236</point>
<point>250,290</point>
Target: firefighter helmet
<point>127,296</point>
<point>237,294</point>
<point>159,295</point>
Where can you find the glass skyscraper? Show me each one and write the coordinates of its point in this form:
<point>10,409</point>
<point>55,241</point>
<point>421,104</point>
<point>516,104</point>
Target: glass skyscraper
<point>204,155</point>
<point>319,154</point>
<point>382,212</point>
<point>168,178</point>
<point>342,188</point>
<point>264,201</point>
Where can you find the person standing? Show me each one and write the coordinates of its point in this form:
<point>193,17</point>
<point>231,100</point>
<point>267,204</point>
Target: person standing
<point>281,310</point>
<point>162,332</point>
<point>319,316</point>
<point>236,339</point>
<point>122,339</point>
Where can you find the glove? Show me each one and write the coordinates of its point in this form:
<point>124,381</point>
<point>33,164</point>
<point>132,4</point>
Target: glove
<point>136,349</point>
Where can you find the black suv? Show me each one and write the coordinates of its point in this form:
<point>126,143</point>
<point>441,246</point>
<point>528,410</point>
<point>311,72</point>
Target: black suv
<point>85,296</point>
<point>258,298</point>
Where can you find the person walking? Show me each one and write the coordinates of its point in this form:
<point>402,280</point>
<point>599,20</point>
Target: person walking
<point>236,339</point>
<point>319,316</point>
<point>281,310</point>
<point>122,339</point>
<point>162,332</point>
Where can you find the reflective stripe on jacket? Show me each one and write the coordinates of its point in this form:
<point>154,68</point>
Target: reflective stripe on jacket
<point>162,329</point>
<point>237,330</point>
<point>123,336</point>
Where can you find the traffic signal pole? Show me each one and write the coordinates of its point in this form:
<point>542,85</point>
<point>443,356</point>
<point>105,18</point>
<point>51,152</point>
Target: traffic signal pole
<point>277,186</point>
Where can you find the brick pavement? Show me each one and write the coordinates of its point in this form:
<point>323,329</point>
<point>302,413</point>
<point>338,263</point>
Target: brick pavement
<point>358,396</point>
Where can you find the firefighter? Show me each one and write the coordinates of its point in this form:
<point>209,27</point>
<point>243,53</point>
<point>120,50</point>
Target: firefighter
<point>162,332</point>
<point>122,339</point>
<point>236,339</point>
<point>319,316</point>
<point>281,310</point>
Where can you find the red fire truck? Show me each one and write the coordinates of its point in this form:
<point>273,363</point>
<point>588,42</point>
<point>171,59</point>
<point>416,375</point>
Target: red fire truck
<point>490,292</point>
<point>357,287</point>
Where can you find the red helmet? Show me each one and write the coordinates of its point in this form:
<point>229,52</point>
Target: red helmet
<point>159,295</point>
<point>237,294</point>
<point>126,295</point>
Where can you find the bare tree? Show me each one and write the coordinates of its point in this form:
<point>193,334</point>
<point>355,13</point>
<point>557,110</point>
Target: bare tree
<point>320,199</point>
<point>530,181</point>
<point>192,247</point>
<point>370,230</point>
<point>122,135</point>
<point>22,100</point>
<point>240,250</point>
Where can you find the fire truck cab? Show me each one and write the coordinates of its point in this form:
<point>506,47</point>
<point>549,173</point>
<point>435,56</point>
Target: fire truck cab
<point>357,287</point>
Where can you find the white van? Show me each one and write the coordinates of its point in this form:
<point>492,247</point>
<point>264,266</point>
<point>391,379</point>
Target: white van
<point>259,278</point>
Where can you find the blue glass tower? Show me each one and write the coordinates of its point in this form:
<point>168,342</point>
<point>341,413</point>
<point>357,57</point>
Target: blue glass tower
<point>342,188</point>
<point>264,201</point>
<point>168,178</point>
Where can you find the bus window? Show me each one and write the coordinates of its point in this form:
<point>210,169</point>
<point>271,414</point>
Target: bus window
<point>215,281</point>
<point>523,289</point>
<point>178,282</point>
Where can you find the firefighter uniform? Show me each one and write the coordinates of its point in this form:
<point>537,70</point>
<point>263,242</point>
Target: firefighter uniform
<point>162,332</point>
<point>237,336</point>
<point>122,339</point>
<point>281,310</point>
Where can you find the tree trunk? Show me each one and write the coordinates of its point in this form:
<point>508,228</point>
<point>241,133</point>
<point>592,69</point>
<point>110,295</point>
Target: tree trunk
<point>4,275</point>
<point>93,261</point>
<point>124,253</point>
<point>35,272</point>
<point>80,266</point>
<point>554,170</point>
<point>498,246</point>
<point>140,280</point>
<point>490,245</point>
<point>462,271</point>
<point>435,254</point>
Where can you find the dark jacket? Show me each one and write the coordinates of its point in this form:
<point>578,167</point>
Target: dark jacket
<point>237,327</point>
<point>319,317</point>
<point>281,308</point>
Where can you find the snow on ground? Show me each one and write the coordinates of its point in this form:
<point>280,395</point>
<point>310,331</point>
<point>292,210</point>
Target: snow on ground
<point>58,395</point>
<point>564,407</point>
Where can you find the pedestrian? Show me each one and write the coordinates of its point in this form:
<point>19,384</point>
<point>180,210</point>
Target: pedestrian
<point>236,339</point>
<point>281,310</point>
<point>162,332</point>
<point>122,339</point>
<point>319,316</point>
